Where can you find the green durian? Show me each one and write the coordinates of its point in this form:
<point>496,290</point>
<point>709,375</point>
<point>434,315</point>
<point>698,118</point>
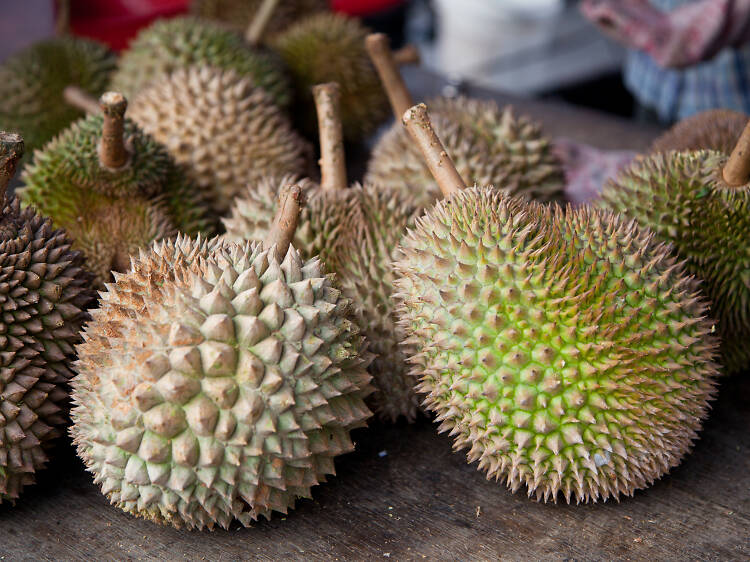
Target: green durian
<point>44,294</point>
<point>715,129</point>
<point>684,198</point>
<point>218,382</point>
<point>32,84</point>
<point>168,45</point>
<point>70,182</point>
<point>329,47</point>
<point>567,349</point>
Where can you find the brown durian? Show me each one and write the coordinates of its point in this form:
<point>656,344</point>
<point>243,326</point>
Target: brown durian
<point>715,129</point>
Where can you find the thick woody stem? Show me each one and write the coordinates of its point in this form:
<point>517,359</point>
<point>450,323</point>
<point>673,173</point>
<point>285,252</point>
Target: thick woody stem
<point>380,53</point>
<point>408,54</point>
<point>737,169</point>
<point>62,18</point>
<point>254,32</point>
<point>112,151</point>
<point>11,151</point>
<point>80,99</point>
<point>417,122</point>
<point>332,161</point>
<point>281,233</point>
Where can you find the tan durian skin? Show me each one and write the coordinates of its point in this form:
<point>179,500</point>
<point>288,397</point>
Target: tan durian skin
<point>488,146</point>
<point>715,129</point>
<point>226,132</point>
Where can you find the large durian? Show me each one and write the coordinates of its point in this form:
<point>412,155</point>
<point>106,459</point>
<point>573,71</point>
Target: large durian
<point>168,45</point>
<point>106,168</point>
<point>44,293</point>
<point>32,83</point>
<point>700,202</point>
<point>225,131</point>
<point>566,349</point>
<point>488,146</point>
<point>329,47</point>
<point>715,129</point>
<point>218,381</point>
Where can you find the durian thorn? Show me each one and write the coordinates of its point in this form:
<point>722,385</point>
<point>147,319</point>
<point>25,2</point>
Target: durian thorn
<point>62,18</point>
<point>11,151</point>
<point>254,31</point>
<point>112,151</point>
<point>408,54</point>
<point>80,99</point>
<point>281,233</point>
<point>737,169</point>
<point>382,58</point>
<point>332,161</point>
<point>417,122</point>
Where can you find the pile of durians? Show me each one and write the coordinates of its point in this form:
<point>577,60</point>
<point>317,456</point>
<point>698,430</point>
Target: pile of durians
<point>254,309</point>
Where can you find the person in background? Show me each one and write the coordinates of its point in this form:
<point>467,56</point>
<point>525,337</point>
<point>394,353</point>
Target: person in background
<point>685,56</point>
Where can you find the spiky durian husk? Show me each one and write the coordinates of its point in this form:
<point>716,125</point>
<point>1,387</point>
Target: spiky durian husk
<point>247,379</point>
<point>487,145</point>
<point>682,197</point>
<point>239,13</point>
<point>32,83</point>
<point>224,130</point>
<point>331,48</point>
<point>321,230</point>
<point>366,276</point>
<point>168,45</point>
<point>44,293</point>
<point>715,129</point>
<point>566,349</point>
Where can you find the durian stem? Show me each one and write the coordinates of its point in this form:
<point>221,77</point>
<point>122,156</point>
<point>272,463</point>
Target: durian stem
<point>281,233</point>
<point>254,32</point>
<point>112,151</point>
<point>408,54</point>
<point>62,18</point>
<point>417,122</point>
<point>737,169</point>
<point>11,151</point>
<point>332,161</point>
<point>380,53</point>
<point>80,99</point>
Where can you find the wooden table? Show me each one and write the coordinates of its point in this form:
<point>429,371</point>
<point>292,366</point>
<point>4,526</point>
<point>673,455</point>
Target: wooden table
<point>404,495</point>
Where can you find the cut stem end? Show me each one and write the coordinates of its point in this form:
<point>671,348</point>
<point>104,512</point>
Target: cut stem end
<point>11,152</point>
<point>112,151</point>
<point>378,47</point>
<point>332,158</point>
<point>281,233</point>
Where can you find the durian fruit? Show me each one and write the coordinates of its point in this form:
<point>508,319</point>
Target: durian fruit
<point>566,349</point>
<point>218,381</point>
<point>715,129</point>
<point>239,14</point>
<point>700,202</point>
<point>106,168</point>
<point>44,292</point>
<point>32,84</point>
<point>329,47</point>
<point>168,45</point>
<point>224,130</point>
<point>487,145</point>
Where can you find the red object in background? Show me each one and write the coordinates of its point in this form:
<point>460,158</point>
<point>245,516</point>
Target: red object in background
<point>116,22</point>
<point>363,7</point>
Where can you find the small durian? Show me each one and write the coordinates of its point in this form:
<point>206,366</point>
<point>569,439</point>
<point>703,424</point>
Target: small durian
<point>219,381</point>
<point>699,201</point>
<point>565,348</point>
<point>105,159</point>
<point>32,83</point>
<point>168,45</point>
<point>44,292</point>
<point>329,47</point>
<point>224,130</point>
<point>488,146</point>
<point>715,129</point>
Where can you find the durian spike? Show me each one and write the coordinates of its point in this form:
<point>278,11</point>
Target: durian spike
<point>379,49</point>
<point>408,54</point>
<point>417,122</point>
<point>11,151</point>
<point>62,18</point>
<point>285,221</point>
<point>254,32</point>
<point>737,169</point>
<point>332,160</point>
<point>112,151</point>
<point>80,99</point>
